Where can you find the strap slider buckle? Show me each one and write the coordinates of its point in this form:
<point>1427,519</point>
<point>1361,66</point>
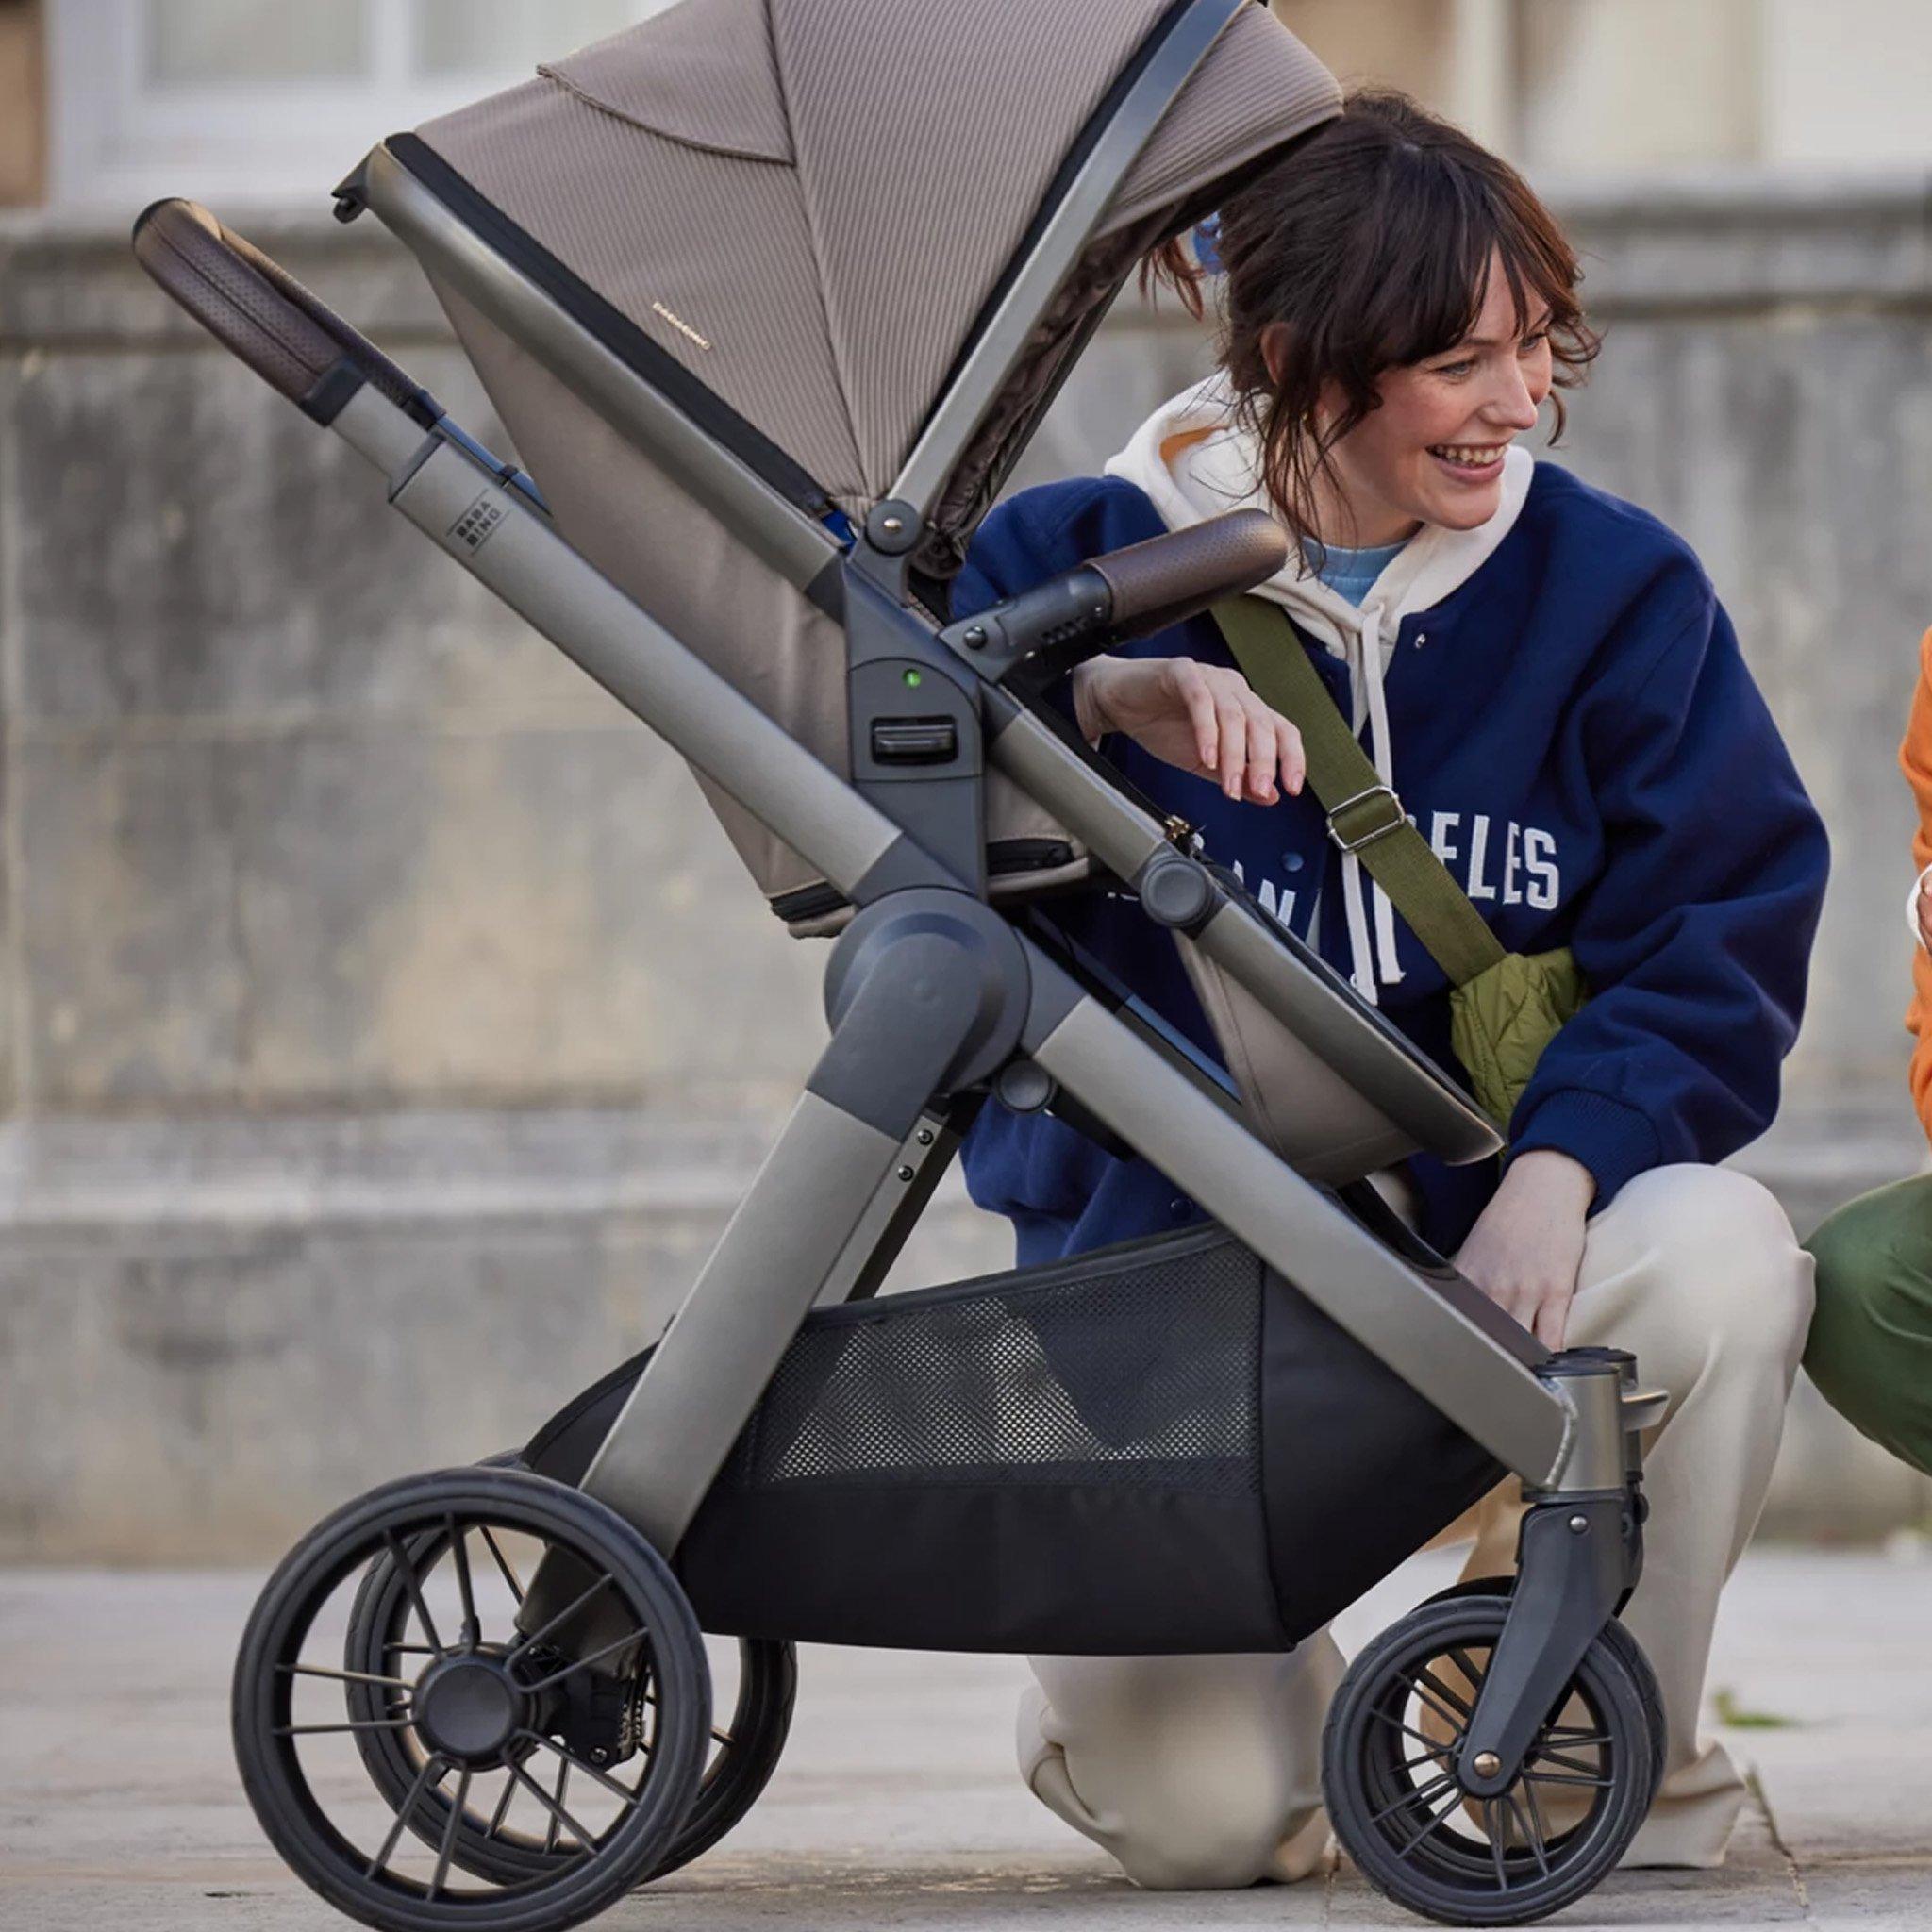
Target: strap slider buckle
<point>1370,815</point>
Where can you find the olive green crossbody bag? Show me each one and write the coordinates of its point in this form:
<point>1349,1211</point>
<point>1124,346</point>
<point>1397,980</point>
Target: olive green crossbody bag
<point>1503,1008</point>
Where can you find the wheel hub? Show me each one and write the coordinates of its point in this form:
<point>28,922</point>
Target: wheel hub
<point>468,1708</point>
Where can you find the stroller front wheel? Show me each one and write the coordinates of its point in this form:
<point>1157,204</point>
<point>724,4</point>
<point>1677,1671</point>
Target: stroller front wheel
<point>1390,1747</point>
<point>605,1749</point>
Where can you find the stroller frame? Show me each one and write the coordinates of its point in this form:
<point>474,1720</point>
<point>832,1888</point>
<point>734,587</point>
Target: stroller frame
<point>933,995</point>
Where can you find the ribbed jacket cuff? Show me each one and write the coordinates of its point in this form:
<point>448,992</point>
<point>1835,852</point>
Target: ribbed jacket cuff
<point>1615,1141</point>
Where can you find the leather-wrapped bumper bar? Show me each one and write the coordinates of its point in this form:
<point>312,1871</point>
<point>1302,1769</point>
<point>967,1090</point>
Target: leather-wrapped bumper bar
<point>297,345</point>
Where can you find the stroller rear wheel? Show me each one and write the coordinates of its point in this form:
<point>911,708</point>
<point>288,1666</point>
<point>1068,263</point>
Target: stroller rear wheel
<point>747,1737</point>
<point>1387,1756</point>
<point>607,1751</point>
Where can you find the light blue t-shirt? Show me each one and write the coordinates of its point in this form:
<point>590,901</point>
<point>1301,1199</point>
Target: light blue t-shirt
<point>1351,573</point>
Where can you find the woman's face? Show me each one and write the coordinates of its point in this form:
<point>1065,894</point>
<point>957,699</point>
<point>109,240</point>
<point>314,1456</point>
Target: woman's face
<point>1432,452</point>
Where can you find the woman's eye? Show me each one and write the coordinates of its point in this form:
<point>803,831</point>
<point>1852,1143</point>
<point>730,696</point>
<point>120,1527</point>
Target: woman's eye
<point>1533,343</point>
<point>1462,368</point>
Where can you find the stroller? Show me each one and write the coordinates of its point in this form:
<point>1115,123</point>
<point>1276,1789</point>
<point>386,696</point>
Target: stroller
<point>770,296</point>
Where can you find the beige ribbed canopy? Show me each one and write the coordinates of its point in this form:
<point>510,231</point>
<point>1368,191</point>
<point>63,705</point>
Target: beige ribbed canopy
<point>808,203</point>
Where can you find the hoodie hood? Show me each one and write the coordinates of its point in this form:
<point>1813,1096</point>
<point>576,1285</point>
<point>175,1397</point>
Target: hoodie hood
<point>1194,461</point>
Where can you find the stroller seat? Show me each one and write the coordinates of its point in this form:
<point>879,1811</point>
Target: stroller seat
<point>579,314</point>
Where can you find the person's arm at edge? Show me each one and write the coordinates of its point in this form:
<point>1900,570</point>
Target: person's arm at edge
<point>1915,761</point>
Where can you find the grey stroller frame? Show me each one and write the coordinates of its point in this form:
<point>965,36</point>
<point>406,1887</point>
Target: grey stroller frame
<point>937,993</point>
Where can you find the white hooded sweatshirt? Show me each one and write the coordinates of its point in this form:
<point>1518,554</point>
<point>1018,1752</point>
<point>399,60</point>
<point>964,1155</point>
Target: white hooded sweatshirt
<point>1193,462</point>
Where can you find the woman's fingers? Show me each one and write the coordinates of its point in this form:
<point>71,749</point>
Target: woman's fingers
<point>1264,753</point>
<point>1233,721</point>
<point>1199,703</point>
<point>1294,759</point>
<point>1251,752</point>
<point>1275,754</point>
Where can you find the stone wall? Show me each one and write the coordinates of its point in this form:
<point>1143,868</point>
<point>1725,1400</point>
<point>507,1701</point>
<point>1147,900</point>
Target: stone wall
<point>384,1028</point>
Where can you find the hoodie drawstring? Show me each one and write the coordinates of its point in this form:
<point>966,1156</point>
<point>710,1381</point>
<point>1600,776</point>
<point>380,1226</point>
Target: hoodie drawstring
<point>1365,682</point>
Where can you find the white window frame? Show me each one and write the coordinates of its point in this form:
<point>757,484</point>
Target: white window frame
<point>116,142</point>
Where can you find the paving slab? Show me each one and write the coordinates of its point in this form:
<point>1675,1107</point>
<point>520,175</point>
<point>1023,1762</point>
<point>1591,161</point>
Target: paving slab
<point>897,1804</point>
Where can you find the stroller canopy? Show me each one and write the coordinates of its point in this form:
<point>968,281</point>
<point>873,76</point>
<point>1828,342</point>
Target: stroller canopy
<point>812,205</point>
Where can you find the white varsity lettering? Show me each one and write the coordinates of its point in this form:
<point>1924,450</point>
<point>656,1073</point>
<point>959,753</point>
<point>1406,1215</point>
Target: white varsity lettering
<point>1440,824</point>
<point>1277,902</point>
<point>1478,886</point>
<point>1511,895</point>
<point>1546,882</point>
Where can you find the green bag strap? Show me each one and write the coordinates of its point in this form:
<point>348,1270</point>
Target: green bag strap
<point>1364,816</point>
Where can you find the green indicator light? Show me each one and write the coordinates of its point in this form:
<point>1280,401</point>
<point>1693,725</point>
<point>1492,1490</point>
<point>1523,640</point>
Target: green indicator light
<point>914,679</point>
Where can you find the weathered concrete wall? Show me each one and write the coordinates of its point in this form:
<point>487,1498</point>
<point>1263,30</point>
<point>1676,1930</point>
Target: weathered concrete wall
<point>387,1028</point>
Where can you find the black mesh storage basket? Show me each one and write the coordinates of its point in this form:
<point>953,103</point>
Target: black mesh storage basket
<point>1160,1446</point>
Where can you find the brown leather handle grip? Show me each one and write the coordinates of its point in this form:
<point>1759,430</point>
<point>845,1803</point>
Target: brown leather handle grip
<point>256,308</point>
<point>1169,577</point>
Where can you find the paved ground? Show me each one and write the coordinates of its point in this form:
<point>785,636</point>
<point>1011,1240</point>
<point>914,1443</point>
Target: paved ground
<point>897,1804</point>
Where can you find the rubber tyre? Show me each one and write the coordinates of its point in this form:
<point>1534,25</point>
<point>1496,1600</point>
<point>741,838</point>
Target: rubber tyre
<point>1614,1680</point>
<point>279,1794</point>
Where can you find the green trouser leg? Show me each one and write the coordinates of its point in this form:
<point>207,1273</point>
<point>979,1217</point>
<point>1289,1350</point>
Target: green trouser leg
<point>1871,1346</point>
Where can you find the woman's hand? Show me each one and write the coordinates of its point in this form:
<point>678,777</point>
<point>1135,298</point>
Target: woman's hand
<point>1202,717</point>
<point>1527,1244</point>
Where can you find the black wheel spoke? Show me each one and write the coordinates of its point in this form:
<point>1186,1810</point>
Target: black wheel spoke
<point>1395,1723</point>
<point>446,1850</point>
<point>564,1615</point>
<point>354,1724</point>
<point>502,1811</point>
<point>583,1836</point>
<point>342,1676</point>
<point>1423,1757</point>
<point>1564,1778</point>
<point>1427,1676</point>
<point>413,1585</point>
<point>1575,1736</point>
<point>509,1576</point>
<point>472,1630</point>
<point>1459,1658</point>
<point>1532,1829</point>
<point>1406,1848</point>
<point>1418,1795</point>
<point>1448,1717</point>
<point>573,1762</point>
<point>1546,1756</point>
<point>433,1768</point>
<point>563,1785</point>
<point>1497,1848</point>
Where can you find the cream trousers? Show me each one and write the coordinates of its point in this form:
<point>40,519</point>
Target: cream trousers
<point>1204,1772</point>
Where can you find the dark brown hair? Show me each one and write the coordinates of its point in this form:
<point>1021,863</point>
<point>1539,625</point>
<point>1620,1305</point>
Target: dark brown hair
<point>1372,241</point>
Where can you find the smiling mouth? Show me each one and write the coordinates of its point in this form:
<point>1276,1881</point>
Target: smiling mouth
<point>1472,457</point>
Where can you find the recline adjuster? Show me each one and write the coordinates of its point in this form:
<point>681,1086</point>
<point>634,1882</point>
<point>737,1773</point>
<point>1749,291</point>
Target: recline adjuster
<point>1381,813</point>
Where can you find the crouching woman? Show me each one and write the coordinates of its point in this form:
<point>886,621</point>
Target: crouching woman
<point>1545,676</point>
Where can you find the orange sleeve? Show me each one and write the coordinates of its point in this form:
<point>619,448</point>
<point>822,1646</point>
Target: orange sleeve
<point>1915,760</point>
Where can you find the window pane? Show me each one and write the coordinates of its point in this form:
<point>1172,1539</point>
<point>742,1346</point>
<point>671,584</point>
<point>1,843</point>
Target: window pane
<point>217,43</point>
<point>492,37</point>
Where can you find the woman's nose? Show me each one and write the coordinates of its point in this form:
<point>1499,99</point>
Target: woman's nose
<point>1516,405</point>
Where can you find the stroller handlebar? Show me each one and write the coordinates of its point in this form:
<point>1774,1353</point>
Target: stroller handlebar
<point>257,310</point>
<point>1170,576</point>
